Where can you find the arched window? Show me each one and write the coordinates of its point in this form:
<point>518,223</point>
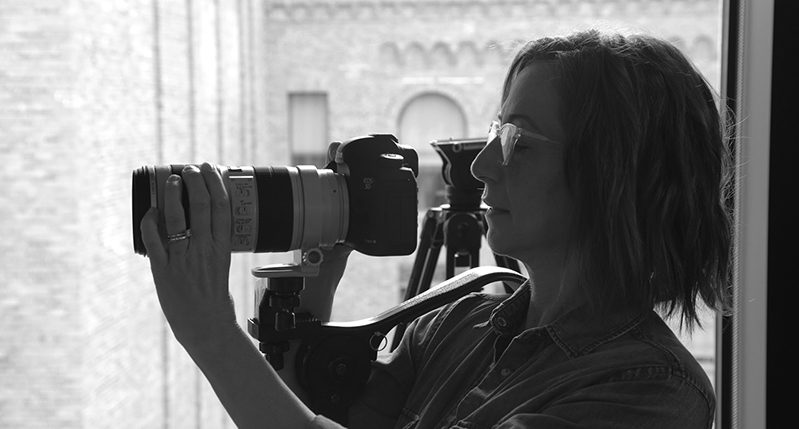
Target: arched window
<point>441,56</point>
<point>390,55</point>
<point>416,58</point>
<point>703,49</point>
<point>424,118</point>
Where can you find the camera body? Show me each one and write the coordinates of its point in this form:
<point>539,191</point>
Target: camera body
<point>366,197</point>
<point>383,194</point>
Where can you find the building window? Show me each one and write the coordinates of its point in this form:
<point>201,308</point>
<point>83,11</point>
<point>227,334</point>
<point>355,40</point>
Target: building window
<point>308,128</point>
<point>425,118</point>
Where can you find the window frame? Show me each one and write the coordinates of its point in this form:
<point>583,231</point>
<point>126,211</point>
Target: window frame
<point>742,336</point>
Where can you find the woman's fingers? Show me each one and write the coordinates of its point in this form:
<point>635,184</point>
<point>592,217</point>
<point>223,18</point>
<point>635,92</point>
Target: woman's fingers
<point>199,202</point>
<point>220,205</point>
<point>174,216</point>
<point>209,211</point>
<point>152,238</point>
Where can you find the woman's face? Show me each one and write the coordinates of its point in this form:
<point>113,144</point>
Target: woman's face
<point>530,205</point>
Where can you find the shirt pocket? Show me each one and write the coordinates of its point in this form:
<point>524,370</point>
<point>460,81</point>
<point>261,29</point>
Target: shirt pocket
<point>407,420</point>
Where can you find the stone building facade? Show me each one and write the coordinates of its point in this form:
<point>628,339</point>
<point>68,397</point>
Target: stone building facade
<point>92,89</point>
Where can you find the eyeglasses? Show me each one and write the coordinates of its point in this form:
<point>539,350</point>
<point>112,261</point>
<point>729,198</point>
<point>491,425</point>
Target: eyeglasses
<point>509,134</point>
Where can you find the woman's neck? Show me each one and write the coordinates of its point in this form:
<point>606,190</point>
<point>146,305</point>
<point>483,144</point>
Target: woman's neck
<point>553,291</point>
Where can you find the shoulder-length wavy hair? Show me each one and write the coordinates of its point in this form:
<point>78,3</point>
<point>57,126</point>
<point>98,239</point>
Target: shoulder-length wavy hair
<point>648,163</point>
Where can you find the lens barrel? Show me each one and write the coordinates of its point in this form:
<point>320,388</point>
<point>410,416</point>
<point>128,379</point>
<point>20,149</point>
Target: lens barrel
<point>273,209</point>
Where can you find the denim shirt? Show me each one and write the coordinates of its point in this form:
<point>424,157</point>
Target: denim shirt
<point>471,365</point>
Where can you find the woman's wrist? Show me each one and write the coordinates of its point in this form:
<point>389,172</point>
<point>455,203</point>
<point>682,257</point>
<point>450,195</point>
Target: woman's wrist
<point>210,335</point>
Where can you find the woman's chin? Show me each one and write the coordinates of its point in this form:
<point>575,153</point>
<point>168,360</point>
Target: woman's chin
<point>499,243</point>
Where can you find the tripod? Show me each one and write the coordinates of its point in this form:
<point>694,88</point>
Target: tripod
<point>459,226</point>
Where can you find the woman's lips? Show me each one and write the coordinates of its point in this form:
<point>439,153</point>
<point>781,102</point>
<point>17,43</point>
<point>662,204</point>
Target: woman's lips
<point>493,207</point>
<point>495,210</point>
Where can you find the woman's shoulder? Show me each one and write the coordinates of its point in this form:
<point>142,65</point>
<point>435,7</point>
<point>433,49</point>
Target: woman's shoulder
<point>627,345</point>
<point>644,359</point>
<point>652,351</point>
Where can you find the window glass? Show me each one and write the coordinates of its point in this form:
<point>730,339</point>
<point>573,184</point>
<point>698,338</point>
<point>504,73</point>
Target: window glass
<point>308,130</point>
<point>235,82</point>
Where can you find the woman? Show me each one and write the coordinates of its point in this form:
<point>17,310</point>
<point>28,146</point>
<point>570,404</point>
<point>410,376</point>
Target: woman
<point>605,173</point>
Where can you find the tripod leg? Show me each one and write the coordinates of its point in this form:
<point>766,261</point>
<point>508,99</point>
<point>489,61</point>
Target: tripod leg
<point>462,237</point>
<point>424,265</point>
<point>506,262</point>
<point>426,254</point>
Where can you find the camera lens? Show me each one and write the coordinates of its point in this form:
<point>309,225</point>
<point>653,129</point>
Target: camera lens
<point>273,209</point>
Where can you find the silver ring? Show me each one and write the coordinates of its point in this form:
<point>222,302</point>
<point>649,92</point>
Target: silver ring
<point>179,236</point>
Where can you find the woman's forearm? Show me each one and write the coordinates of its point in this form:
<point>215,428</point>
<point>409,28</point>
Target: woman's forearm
<point>191,273</point>
<point>249,389</point>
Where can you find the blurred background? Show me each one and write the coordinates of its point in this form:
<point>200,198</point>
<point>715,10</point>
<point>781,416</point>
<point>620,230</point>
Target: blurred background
<point>90,90</point>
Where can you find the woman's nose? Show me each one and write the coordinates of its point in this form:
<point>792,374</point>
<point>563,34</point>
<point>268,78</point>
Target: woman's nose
<point>487,161</point>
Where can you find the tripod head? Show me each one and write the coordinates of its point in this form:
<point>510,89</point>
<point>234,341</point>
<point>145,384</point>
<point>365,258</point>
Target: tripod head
<point>463,191</point>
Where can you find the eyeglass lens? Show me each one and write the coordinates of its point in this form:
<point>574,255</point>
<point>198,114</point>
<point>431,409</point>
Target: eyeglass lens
<point>507,137</point>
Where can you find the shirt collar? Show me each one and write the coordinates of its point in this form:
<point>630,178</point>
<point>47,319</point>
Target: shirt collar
<point>574,332</point>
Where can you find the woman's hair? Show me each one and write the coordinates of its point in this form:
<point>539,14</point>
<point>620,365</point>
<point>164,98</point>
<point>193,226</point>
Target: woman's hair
<point>647,162</point>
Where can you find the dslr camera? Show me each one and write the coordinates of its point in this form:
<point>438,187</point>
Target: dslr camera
<point>365,197</point>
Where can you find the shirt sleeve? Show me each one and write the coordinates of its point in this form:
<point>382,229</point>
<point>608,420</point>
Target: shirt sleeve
<point>384,395</point>
<point>392,378</point>
<point>389,385</point>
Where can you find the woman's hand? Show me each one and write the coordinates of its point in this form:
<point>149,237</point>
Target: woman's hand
<point>191,274</point>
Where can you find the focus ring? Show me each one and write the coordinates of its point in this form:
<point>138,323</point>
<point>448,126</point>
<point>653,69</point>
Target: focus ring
<point>276,204</point>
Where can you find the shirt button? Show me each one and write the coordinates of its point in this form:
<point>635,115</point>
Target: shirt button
<point>501,322</point>
<point>505,372</point>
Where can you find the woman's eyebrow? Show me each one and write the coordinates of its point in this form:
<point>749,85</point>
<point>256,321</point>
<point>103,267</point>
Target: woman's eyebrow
<point>524,118</point>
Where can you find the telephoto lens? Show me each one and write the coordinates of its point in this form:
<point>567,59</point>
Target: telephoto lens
<point>366,197</point>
